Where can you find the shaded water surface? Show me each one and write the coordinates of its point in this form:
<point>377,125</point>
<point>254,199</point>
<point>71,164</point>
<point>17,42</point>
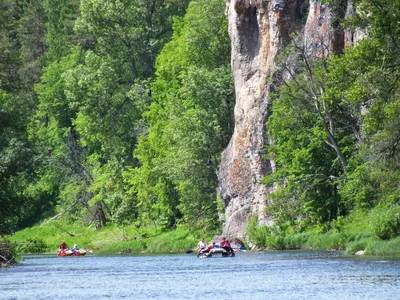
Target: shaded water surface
<point>278,275</point>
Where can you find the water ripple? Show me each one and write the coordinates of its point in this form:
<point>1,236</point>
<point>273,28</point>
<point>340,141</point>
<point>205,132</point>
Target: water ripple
<point>271,275</point>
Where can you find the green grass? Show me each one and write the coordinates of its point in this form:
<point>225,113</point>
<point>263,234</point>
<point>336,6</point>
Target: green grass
<point>296,241</point>
<point>51,236</point>
<point>178,240</point>
<point>132,246</point>
<point>358,232</point>
<point>315,241</point>
<point>46,238</point>
<point>333,240</point>
<point>377,231</point>
<point>384,248</point>
<point>359,241</point>
<point>173,241</point>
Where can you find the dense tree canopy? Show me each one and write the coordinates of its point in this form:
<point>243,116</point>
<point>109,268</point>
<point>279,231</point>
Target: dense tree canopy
<point>190,121</point>
<point>118,111</point>
<point>82,98</point>
<point>344,113</point>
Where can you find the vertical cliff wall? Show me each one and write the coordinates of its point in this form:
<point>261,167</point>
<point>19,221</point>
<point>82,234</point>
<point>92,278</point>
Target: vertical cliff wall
<point>259,31</point>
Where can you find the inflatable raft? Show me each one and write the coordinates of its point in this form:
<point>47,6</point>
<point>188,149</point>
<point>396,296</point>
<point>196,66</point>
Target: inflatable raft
<point>71,253</point>
<point>216,251</point>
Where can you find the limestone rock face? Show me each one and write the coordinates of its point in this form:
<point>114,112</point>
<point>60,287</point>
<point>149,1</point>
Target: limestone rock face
<point>259,30</point>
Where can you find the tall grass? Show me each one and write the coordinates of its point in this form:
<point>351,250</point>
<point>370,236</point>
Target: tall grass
<point>384,248</point>
<point>361,230</point>
<point>359,241</point>
<point>257,234</point>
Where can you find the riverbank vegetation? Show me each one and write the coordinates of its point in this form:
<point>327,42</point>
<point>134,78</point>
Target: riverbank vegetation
<point>47,237</point>
<point>8,254</point>
<point>114,114</point>
<point>335,131</point>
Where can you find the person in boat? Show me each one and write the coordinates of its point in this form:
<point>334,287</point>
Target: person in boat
<point>201,246</point>
<point>208,249</point>
<point>64,246</point>
<point>75,248</point>
<point>225,244</point>
<point>228,247</point>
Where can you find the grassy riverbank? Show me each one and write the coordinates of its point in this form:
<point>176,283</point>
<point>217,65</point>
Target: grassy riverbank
<point>375,232</point>
<point>364,241</point>
<point>46,238</point>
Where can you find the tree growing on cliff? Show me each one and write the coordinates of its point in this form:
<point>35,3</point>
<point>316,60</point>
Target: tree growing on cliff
<point>373,180</point>
<point>316,130</point>
<point>334,128</point>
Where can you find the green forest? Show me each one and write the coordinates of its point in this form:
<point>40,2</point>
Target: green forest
<point>114,114</point>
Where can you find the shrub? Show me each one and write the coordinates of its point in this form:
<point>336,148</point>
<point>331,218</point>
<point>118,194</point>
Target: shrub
<point>7,253</point>
<point>360,236</point>
<point>384,248</point>
<point>275,238</point>
<point>257,233</point>
<point>270,236</point>
<point>297,241</point>
<point>333,240</point>
<point>360,241</point>
<point>32,246</point>
<point>385,221</point>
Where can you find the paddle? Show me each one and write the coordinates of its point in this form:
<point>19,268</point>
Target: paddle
<point>189,251</point>
<point>242,249</point>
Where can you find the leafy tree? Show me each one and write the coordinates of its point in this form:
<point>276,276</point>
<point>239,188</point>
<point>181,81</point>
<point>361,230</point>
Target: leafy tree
<point>20,67</point>
<point>190,121</point>
<point>61,16</point>
<point>340,109</point>
<point>376,168</point>
<point>133,31</point>
<point>9,55</point>
<point>55,135</point>
<point>31,36</point>
<point>316,130</point>
<point>92,96</point>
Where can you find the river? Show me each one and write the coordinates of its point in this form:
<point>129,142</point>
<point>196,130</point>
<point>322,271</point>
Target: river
<point>270,275</point>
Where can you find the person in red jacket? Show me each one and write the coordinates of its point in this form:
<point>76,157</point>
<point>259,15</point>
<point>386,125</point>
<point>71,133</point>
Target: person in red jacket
<point>225,244</point>
<point>228,247</point>
<point>64,246</point>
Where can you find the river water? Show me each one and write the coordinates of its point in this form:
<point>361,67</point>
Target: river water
<point>271,275</point>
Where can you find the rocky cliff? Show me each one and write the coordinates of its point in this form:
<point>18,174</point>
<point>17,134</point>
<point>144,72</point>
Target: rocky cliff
<point>259,31</point>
